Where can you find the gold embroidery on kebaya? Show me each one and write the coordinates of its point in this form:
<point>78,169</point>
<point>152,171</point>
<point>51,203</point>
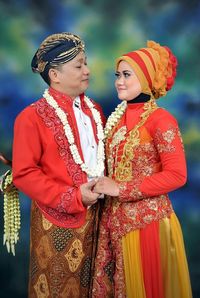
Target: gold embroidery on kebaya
<point>137,214</point>
<point>117,138</point>
<point>135,193</point>
<point>123,168</point>
<point>180,137</point>
<point>165,139</point>
<point>169,135</point>
<point>153,204</point>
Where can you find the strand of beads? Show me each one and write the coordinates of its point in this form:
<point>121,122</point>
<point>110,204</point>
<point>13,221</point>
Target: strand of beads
<point>12,216</point>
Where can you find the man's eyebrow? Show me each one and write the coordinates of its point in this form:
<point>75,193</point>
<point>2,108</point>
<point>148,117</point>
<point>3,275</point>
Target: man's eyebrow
<point>82,59</point>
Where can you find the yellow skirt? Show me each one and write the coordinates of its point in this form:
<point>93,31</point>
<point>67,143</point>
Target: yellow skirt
<point>155,262</point>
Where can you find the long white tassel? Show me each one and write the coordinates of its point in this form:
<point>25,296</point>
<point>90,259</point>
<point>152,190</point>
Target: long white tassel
<point>12,216</point>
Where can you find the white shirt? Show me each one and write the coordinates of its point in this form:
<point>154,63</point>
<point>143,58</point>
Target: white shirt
<point>87,139</point>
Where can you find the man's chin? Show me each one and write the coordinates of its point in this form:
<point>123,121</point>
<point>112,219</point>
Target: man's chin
<point>85,85</point>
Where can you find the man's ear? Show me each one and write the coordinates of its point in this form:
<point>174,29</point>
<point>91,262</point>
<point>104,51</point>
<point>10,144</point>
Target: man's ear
<point>54,75</point>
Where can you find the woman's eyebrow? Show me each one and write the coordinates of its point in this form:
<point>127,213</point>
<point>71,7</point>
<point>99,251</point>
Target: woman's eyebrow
<point>126,70</point>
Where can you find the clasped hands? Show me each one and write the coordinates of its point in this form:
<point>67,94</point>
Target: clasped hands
<point>92,190</point>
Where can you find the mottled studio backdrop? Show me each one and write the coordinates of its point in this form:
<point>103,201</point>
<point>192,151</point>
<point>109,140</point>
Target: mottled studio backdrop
<point>109,28</point>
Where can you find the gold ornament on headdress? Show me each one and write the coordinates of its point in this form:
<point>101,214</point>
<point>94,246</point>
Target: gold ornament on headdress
<point>53,40</point>
<point>41,66</point>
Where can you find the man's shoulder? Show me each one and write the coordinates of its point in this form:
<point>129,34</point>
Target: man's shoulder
<point>100,109</point>
<point>29,111</point>
<point>96,104</point>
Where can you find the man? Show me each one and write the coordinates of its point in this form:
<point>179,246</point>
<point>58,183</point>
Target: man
<point>57,152</point>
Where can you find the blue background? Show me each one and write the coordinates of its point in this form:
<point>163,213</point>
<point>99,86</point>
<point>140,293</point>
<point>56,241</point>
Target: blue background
<point>109,28</point>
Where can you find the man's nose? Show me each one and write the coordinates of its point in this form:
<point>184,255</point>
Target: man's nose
<point>86,69</point>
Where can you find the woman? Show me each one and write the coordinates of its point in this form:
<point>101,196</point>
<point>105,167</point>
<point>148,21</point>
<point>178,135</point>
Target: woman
<point>141,252</point>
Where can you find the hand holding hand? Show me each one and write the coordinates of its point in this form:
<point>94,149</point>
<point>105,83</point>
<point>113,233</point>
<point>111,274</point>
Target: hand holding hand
<point>88,197</point>
<point>107,186</point>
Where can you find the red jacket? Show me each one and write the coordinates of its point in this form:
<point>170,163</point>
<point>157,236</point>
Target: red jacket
<point>43,167</point>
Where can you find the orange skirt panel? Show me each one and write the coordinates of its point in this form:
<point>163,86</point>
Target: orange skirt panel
<point>155,263</point>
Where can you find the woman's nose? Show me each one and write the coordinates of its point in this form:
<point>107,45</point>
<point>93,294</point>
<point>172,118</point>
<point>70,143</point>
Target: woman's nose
<point>120,80</point>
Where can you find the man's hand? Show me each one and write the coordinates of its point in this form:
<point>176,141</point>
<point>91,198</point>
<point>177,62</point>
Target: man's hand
<point>107,186</point>
<point>88,196</point>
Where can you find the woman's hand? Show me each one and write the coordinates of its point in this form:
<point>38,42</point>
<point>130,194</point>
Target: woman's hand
<point>107,186</point>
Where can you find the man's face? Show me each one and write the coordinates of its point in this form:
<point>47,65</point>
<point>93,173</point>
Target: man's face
<point>73,76</point>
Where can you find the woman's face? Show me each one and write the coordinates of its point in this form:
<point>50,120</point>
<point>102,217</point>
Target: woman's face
<point>127,84</point>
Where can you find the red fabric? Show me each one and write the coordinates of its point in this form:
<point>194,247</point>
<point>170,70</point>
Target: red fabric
<point>131,161</point>
<point>151,261</point>
<point>171,173</point>
<point>43,167</point>
<point>172,64</point>
<point>132,115</point>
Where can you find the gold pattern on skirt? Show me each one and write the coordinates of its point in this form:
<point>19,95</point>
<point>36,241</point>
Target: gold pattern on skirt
<point>41,287</point>
<point>75,255</point>
<point>61,259</point>
<point>45,223</point>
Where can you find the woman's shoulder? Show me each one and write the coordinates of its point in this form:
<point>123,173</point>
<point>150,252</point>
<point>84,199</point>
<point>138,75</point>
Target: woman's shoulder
<point>161,114</point>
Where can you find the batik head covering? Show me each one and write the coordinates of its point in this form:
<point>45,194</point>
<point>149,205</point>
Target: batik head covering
<point>155,67</point>
<point>55,50</point>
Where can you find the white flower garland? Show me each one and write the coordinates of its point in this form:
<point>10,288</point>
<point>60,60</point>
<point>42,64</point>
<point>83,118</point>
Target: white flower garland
<point>114,117</point>
<point>12,214</point>
<point>98,170</point>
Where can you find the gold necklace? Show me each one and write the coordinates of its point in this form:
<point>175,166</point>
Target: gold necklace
<point>123,169</point>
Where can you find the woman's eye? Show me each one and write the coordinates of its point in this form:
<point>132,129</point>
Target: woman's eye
<point>126,74</point>
<point>117,75</point>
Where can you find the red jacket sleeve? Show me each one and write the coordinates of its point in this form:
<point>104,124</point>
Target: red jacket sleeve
<point>28,174</point>
<point>168,142</point>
